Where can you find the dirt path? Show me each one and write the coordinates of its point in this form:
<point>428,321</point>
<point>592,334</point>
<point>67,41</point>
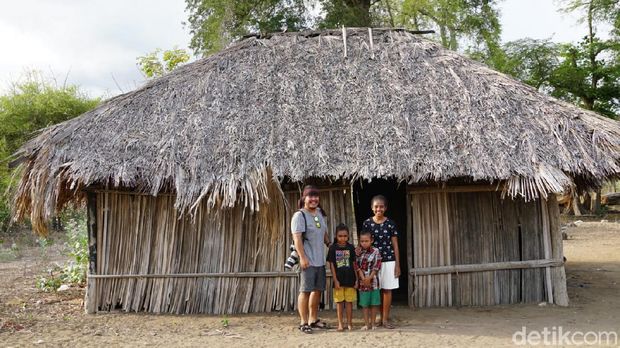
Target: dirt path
<point>29,317</point>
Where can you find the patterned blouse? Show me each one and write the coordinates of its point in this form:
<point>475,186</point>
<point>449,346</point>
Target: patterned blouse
<point>369,260</point>
<point>382,237</point>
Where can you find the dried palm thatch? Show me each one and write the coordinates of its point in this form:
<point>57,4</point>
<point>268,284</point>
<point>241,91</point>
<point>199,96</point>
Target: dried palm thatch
<point>354,104</point>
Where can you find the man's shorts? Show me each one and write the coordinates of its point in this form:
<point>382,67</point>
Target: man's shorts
<point>312,279</point>
<point>387,280</point>
<point>345,294</point>
<point>370,298</point>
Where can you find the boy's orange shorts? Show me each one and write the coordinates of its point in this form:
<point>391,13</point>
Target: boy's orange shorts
<point>345,294</point>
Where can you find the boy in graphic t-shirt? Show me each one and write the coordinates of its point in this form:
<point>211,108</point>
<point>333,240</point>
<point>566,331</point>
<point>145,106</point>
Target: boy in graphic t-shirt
<point>341,259</point>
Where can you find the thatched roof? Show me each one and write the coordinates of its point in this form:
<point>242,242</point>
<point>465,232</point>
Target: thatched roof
<point>319,104</point>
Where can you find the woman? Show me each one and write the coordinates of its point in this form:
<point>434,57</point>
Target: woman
<point>385,238</point>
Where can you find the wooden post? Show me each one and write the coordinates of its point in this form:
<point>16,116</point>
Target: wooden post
<point>544,212</point>
<point>558,274</point>
<point>90,300</point>
<point>344,40</point>
<point>409,252</point>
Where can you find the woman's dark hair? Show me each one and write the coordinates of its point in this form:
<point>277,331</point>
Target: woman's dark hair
<point>309,190</point>
<point>340,227</point>
<point>379,198</point>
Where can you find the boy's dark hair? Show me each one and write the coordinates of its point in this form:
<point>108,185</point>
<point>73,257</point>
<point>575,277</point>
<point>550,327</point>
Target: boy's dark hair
<point>366,232</point>
<point>379,198</point>
<point>340,227</point>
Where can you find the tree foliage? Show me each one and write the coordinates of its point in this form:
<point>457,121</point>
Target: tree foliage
<point>159,62</point>
<point>472,23</point>
<point>32,104</point>
<point>214,24</point>
<point>475,22</point>
<point>531,61</point>
<point>586,73</point>
<point>350,13</point>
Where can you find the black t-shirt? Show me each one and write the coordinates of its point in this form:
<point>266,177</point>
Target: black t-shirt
<point>343,258</point>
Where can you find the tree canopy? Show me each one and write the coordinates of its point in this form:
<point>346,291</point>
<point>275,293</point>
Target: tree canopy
<point>32,104</point>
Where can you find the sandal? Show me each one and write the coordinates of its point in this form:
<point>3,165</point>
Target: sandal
<point>305,328</point>
<point>388,325</point>
<point>318,324</point>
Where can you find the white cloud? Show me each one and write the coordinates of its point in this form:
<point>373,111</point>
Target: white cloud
<point>90,40</point>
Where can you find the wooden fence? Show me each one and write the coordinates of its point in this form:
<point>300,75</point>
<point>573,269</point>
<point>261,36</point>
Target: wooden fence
<point>474,248</point>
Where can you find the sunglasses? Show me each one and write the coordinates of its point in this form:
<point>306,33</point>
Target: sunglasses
<point>316,221</point>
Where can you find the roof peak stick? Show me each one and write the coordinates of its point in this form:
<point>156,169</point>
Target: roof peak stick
<point>372,49</point>
<point>344,40</point>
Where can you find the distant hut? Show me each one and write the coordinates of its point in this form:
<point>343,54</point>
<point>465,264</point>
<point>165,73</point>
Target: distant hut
<point>190,181</point>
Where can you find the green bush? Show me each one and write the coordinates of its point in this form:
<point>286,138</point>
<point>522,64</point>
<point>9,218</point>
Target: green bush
<point>51,283</point>
<point>76,247</point>
<point>33,102</point>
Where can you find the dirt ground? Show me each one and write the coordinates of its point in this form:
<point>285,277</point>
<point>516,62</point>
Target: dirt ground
<point>30,317</point>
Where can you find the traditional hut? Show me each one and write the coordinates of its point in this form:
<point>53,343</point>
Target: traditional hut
<point>190,181</point>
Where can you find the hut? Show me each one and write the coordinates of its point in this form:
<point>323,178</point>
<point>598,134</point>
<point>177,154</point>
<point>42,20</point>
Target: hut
<point>190,181</point>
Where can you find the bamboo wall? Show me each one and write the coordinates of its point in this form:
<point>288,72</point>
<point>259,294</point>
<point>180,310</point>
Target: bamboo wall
<point>145,258</point>
<point>479,233</point>
<point>465,248</point>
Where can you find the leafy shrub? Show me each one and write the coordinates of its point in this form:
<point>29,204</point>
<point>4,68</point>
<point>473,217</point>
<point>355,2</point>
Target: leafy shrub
<point>50,283</point>
<point>74,272</point>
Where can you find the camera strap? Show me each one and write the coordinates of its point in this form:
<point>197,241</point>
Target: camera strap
<point>303,234</point>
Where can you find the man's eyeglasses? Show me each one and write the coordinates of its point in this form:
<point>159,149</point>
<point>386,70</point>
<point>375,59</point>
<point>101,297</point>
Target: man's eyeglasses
<point>316,221</point>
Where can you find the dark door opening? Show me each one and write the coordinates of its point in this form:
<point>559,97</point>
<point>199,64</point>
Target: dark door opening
<point>396,194</point>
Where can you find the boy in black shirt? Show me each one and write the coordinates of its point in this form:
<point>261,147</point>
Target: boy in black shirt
<point>341,259</point>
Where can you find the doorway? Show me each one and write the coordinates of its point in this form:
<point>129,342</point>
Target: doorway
<point>363,191</point>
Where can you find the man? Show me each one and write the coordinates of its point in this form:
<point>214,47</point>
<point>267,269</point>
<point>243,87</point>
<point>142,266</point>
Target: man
<point>309,234</point>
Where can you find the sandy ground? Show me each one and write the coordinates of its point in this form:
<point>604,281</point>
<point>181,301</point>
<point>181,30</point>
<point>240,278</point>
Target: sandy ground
<point>30,317</point>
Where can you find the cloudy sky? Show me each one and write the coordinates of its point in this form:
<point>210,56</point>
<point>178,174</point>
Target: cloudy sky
<point>95,43</point>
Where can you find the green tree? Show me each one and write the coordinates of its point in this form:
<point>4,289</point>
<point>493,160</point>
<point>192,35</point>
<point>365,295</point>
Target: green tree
<point>472,23</point>
<point>350,13</point>
<point>531,61</point>
<point>160,62</point>
<point>214,24</point>
<point>32,104</point>
<point>589,74</point>
<point>586,73</point>
<point>457,22</point>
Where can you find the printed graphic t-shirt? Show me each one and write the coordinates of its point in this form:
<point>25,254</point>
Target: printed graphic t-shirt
<point>343,258</point>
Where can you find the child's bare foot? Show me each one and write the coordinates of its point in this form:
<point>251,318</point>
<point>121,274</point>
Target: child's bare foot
<point>364,328</point>
<point>340,328</point>
<point>374,327</point>
<point>388,325</point>
<point>350,327</point>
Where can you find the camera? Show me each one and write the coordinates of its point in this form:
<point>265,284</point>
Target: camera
<point>293,259</point>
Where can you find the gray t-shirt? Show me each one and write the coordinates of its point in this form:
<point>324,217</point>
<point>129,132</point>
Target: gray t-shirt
<point>314,245</point>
